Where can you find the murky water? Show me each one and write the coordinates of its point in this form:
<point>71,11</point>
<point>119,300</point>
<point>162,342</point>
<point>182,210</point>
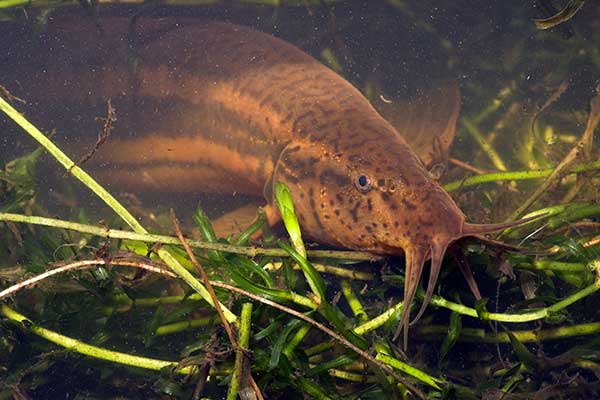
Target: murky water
<point>524,94</point>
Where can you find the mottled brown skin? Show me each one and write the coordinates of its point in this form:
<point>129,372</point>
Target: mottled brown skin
<point>218,107</point>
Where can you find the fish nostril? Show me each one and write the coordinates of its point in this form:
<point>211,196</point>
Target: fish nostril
<point>391,185</point>
<point>387,185</point>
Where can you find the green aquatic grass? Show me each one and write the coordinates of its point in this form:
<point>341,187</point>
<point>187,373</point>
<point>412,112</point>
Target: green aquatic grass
<point>108,198</point>
<point>98,310</point>
<point>288,341</point>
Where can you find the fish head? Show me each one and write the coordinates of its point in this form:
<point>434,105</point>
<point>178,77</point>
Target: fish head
<point>375,195</point>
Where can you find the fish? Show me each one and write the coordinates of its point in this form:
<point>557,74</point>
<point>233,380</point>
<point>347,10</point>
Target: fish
<point>205,105</point>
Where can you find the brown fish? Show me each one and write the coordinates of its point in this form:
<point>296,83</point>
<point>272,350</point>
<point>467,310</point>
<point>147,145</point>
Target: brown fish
<point>210,106</point>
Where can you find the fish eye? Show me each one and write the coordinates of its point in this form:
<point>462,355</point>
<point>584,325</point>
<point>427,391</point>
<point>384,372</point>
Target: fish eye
<point>363,183</point>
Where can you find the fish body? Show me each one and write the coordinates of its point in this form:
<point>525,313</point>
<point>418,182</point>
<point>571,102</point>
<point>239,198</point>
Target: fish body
<point>212,106</point>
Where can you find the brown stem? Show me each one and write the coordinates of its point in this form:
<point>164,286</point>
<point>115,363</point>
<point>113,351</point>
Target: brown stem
<point>205,280</point>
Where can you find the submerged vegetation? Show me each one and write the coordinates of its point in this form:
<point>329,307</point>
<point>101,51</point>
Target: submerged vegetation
<point>97,307</point>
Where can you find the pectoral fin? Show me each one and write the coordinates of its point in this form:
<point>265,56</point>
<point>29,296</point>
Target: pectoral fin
<point>427,122</point>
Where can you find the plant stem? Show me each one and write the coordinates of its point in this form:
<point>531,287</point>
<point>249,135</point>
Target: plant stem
<point>350,376</point>
<point>14,3</point>
<point>368,326</point>
<point>378,321</point>
<point>494,105</point>
<point>407,369</point>
<point>471,312</point>
<point>524,317</point>
<point>353,301</point>
<point>71,167</point>
<point>549,265</point>
<point>484,144</point>
<point>152,238</point>
<point>516,176</point>
<point>525,336</point>
<point>298,337</point>
<point>87,349</point>
<point>181,326</point>
<point>243,344</point>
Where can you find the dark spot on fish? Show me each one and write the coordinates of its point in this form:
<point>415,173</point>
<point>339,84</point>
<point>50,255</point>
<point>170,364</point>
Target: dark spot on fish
<point>275,107</point>
<point>311,200</point>
<point>425,222</point>
<point>396,224</point>
<point>377,169</point>
<point>287,118</point>
<point>408,204</point>
<point>324,128</point>
<point>302,195</point>
<point>385,197</point>
<point>337,212</point>
<point>425,238</point>
<point>368,228</point>
<point>330,176</point>
<point>293,163</point>
<point>318,220</point>
<point>292,178</point>
<point>393,206</point>
<point>380,182</point>
<point>298,120</point>
<point>354,211</point>
<point>384,225</point>
<point>374,224</point>
<point>336,145</point>
<point>340,198</point>
<point>308,173</point>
